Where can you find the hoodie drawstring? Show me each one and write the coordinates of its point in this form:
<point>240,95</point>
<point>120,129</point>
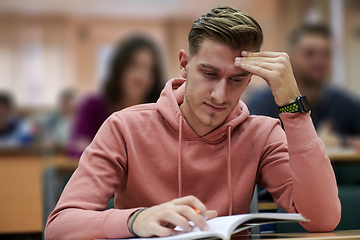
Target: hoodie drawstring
<point>228,165</point>
<point>229,171</point>
<point>179,156</point>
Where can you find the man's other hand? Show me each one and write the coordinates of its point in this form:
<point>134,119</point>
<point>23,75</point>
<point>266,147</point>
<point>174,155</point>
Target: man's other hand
<point>275,69</point>
<point>160,220</point>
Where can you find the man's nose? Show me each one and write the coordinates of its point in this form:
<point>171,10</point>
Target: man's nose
<point>219,91</point>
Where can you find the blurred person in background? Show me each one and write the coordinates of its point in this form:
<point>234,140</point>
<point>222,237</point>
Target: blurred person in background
<point>14,131</point>
<point>56,127</point>
<point>135,77</point>
<point>333,110</point>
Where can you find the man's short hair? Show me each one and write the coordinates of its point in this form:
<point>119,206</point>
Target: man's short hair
<point>227,25</point>
<point>309,29</point>
<point>5,99</point>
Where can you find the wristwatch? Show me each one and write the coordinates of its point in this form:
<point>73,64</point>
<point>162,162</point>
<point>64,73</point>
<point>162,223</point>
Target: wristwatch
<point>301,104</point>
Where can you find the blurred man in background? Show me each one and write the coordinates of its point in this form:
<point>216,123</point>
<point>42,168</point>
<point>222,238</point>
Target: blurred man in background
<point>14,132</point>
<point>333,109</point>
<point>57,125</point>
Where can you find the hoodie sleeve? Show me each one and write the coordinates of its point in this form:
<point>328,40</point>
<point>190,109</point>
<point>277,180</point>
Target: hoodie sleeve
<point>297,172</point>
<point>79,213</point>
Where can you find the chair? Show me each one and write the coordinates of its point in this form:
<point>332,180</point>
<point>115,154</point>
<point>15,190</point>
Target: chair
<point>254,208</point>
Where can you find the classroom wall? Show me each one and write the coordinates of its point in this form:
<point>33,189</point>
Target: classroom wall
<point>352,47</point>
<point>65,46</point>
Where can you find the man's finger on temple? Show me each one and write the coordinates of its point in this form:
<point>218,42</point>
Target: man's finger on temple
<point>261,54</point>
<point>240,62</point>
<point>256,70</point>
<point>259,59</point>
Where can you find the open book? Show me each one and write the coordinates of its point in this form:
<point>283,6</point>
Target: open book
<point>224,227</point>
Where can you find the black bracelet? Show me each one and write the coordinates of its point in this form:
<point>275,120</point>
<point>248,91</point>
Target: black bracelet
<point>132,221</point>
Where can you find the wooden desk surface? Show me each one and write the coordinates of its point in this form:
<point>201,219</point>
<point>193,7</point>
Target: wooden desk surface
<point>343,155</point>
<point>347,234</point>
<point>21,194</point>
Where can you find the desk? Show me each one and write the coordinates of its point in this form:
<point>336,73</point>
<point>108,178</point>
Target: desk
<point>342,155</point>
<point>338,156</point>
<point>21,195</point>
<point>348,234</point>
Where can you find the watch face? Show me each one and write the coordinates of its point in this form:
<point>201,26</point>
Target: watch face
<point>304,103</point>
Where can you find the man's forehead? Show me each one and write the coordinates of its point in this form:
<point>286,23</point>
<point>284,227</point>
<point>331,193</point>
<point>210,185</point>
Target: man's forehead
<point>215,55</point>
<point>211,46</point>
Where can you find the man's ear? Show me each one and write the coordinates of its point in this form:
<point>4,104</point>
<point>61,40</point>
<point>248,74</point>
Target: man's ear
<point>183,61</point>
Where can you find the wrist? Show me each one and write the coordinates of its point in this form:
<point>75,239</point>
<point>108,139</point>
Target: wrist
<point>285,97</point>
<point>300,104</point>
<point>132,219</point>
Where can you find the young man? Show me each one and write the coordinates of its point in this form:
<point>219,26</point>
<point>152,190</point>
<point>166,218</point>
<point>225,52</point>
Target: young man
<point>197,148</point>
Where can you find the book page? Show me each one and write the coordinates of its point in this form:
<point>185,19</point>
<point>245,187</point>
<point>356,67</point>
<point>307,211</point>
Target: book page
<point>225,225</point>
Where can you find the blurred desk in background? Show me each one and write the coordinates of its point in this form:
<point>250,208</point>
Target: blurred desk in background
<point>56,173</point>
<point>21,194</point>
<point>25,205</point>
<point>346,165</point>
<point>343,155</point>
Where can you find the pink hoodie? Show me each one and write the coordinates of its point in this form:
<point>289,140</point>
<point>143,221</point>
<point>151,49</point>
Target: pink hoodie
<point>148,154</point>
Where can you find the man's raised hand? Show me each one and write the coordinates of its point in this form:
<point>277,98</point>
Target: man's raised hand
<point>275,69</point>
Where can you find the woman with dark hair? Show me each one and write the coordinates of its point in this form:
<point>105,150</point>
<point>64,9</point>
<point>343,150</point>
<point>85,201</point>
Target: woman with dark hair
<point>134,78</point>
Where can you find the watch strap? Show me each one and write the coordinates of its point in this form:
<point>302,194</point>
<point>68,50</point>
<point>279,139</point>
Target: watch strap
<point>301,104</point>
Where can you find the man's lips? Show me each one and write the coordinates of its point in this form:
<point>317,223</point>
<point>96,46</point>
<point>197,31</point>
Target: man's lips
<point>213,108</point>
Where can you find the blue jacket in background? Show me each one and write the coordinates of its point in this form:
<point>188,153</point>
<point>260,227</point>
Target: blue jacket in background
<point>336,106</point>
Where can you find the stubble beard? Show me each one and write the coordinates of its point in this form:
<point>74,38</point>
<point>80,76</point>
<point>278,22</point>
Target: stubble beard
<point>208,121</point>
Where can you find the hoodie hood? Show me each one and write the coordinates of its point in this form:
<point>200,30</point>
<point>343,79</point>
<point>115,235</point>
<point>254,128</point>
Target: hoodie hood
<point>168,106</point>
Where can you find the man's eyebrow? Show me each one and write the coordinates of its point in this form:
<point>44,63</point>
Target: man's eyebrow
<point>210,67</point>
<point>244,74</point>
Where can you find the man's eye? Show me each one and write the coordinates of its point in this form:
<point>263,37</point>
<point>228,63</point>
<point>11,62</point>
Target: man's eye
<point>211,74</point>
<point>236,79</point>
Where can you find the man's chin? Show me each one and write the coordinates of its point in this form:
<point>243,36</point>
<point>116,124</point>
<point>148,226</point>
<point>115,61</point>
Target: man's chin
<point>212,123</point>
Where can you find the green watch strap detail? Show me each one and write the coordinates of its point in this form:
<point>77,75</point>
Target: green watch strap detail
<point>290,108</point>
<point>300,104</point>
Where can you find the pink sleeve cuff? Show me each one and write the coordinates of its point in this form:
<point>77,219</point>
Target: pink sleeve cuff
<point>116,223</point>
<point>299,129</point>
